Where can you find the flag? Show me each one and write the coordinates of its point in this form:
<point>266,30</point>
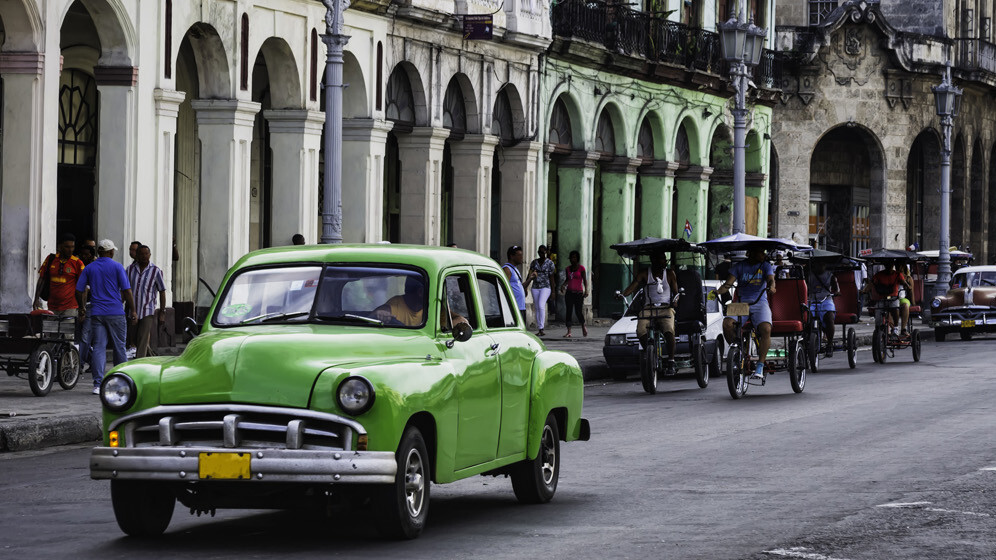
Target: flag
<point>688,229</point>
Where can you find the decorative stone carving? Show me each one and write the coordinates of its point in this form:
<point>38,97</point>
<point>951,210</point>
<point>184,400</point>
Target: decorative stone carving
<point>898,87</point>
<point>849,58</point>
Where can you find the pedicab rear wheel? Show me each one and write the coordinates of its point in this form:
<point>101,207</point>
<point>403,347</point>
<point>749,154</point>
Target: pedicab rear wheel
<point>797,366</point>
<point>915,344</point>
<point>41,370</point>
<point>852,348</point>
<point>736,377</point>
<point>69,367</point>
<point>700,362</point>
<point>812,348</point>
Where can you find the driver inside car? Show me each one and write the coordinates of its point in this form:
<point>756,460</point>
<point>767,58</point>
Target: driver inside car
<point>659,285</point>
<point>754,277</point>
<point>407,309</point>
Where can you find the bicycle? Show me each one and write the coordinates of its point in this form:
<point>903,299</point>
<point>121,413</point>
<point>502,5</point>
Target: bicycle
<point>885,341</point>
<point>652,360</point>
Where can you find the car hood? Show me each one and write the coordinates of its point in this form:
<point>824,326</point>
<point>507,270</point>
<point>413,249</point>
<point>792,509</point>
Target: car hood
<point>277,365</point>
<point>964,297</point>
<point>625,325</point>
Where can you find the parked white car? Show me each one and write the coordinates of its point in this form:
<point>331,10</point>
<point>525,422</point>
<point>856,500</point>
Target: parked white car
<point>622,348</point>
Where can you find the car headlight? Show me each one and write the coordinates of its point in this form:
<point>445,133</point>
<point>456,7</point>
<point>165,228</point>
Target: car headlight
<point>935,303</point>
<point>615,340</point>
<point>355,395</point>
<point>118,392</point>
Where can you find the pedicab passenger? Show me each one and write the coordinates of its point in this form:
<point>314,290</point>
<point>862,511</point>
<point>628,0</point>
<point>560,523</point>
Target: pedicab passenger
<point>659,285</point>
<point>754,277</point>
<point>884,291</point>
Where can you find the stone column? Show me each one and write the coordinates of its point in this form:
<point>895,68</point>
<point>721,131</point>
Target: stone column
<point>421,155</point>
<point>225,131</point>
<point>117,190</point>
<point>618,217</point>
<point>364,145</point>
<point>24,211</point>
<point>295,139</point>
<point>575,200</point>
<point>693,201</point>
<point>472,160</point>
<point>657,180</point>
<point>520,223</point>
<point>167,108</point>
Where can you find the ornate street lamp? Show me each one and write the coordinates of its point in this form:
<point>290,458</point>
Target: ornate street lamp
<point>335,42</point>
<point>948,100</point>
<point>742,43</point>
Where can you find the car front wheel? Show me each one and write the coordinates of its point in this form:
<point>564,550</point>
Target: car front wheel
<point>142,509</point>
<point>535,481</point>
<point>405,503</point>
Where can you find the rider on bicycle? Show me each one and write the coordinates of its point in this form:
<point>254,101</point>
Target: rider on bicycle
<point>755,277</point>
<point>822,287</point>
<point>884,287</point>
<point>660,286</point>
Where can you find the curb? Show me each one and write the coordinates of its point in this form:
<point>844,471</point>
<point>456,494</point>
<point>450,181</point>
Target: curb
<point>48,432</point>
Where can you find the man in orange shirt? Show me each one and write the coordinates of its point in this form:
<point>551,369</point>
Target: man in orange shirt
<point>60,271</point>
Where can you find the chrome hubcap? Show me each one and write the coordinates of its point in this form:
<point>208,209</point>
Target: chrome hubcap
<point>548,454</point>
<point>414,483</point>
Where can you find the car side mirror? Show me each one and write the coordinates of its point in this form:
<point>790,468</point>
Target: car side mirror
<point>191,328</point>
<point>462,332</point>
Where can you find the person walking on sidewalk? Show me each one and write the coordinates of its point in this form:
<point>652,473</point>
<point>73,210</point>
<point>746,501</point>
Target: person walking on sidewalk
<point>108,285</point>
<point>59,273</point>
<point>146,280</point>
<point>511,270</point>
<point>543,278</point>
<point>575,290</point>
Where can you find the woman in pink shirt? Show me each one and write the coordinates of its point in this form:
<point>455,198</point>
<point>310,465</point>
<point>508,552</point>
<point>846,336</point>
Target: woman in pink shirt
<point>575,290</point>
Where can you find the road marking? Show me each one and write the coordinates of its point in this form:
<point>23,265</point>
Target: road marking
<point>988,469</point>
<point>800,552</point>
<point>922,505</point>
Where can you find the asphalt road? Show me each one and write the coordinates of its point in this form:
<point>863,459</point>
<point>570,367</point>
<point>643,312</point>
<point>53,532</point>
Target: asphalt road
<point>880,462</point>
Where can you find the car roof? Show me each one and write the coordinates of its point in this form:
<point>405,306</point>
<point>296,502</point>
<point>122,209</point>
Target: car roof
<point>422,256</point>
<point>981,268</point>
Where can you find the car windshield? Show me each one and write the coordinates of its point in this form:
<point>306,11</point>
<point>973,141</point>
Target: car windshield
<point>366,295</point>
<point>974,279</point>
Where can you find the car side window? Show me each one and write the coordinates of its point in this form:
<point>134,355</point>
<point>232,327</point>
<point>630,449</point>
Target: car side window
<point>459,301</point>
<point>712,305</point>
<point>497,310</point>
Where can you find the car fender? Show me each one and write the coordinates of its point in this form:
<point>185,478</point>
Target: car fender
<point>557,385</point>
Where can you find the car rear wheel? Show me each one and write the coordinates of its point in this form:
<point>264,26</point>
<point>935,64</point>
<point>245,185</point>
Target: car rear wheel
<point>965,335</point>
<point>405,503</point>
<point>535,481</point>
<point>142,509</point>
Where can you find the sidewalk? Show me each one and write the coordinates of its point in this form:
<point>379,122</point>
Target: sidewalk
<point>65,417</point>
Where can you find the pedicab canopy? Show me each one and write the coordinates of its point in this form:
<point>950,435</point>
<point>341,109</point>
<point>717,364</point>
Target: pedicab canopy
<point>955,254</point>
<point>830,258</point>
<point>879,255</point>
<point>651,245</point>
<point>743,241</point>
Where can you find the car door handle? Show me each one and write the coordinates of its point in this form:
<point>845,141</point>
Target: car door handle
<point>494,349</point>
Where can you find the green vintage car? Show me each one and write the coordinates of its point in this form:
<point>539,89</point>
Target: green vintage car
<point>356,371</point>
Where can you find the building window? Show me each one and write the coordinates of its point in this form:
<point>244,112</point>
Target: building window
<point>819,10</point>
<point>168,39</point>
<point>245,52</point>
<point>314,65</point>
<point>380,75</point>
<point>78,119</point>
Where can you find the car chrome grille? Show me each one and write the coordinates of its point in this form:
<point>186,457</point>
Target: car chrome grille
<point>237,426</point>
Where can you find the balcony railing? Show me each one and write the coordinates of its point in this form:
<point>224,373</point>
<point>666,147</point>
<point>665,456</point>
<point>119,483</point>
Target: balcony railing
<point>977,54</point>
<point>621,29</point>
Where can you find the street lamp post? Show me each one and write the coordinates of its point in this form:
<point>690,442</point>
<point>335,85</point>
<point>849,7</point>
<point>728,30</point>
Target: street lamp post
<point>742,42</point>
<point>948,100</point>
<point>334,41</point>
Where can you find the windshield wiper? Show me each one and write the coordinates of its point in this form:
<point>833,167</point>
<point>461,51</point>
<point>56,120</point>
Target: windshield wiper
<point>274,317</point>
<point>351,318</point>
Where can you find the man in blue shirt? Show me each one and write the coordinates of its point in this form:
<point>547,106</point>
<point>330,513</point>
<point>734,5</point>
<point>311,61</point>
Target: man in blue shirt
<point>108,285</point>
<point>755,277</point>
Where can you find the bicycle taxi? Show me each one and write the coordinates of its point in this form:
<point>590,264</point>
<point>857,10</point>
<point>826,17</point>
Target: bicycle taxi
<point>39,346</point>
<point>789,317</point>
<point>885,302</point>
<point>691,346</point>
<point>846,304</point>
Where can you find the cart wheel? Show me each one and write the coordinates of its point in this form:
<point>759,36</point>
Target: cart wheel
<point>69,367</point>
<point>813,349</point>
<point>915,343</point>
<point>40,371</point>
<point>700,361</point>
<point>648,367</point>
<point>736,377</point>
<point>797,366</point>
<point>852,347</point>
<point>877,344</point>
<point>883,345</point>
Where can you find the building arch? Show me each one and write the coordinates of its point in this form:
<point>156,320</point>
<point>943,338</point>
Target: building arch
<point>958,185</point>
<point>652,119</point>
<point>923,201</point>
<point>405,78</point>
<point>114,29</point>
<point>354,98</point>
<point>210,59</point>
<point>508,101</point>
<point>21,26</point>
<point>566,102</point>
<point>687,148</point>
<point>977,205</point>
<point>283,74</point>
<point>468,101</point>
<point>621,135</point>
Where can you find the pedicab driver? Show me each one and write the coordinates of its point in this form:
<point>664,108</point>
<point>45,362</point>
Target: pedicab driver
<point>884,289</point>
<point>755,277</point>
<point>659,285</point>
<point>822,285</point>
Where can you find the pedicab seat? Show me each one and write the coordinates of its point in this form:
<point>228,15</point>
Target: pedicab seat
<point>846,301</point>
<point>690,315</point>
<point>789,307</point>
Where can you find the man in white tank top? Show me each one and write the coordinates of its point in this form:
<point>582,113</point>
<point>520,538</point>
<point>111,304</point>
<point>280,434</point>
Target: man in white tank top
<point>659,284</point>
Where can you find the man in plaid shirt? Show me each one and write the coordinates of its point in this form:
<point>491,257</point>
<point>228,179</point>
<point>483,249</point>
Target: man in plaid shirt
<point>146,280</point>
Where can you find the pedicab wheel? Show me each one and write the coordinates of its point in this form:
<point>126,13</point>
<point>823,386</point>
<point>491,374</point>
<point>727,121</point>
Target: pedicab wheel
<point>939,335</point>
<point>965,335</point>
<point>535,481</point>
<point>915,344</point>
<point>736,377</point>
<point>883,345</point>
<point>69,367</point>
<point>701,363</point>
<point>878,344</point>
<point>852,348</point>
<point>41,368</point>
<point>648,368</point>
<point>797,366</point>
<point>142,509</point>
<point>404,504</point>
<point>813,350</point>
<point>716,364</point>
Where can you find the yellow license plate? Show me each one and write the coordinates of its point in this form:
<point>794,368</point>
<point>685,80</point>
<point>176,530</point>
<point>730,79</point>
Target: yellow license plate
<point>967,324</point>
<point>226,466</point>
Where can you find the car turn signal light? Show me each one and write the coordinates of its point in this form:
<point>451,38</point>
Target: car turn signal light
<point>361,442</point>
<point>113,439</point>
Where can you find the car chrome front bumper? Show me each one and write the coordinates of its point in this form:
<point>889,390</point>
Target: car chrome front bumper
<point>264,465</point>
<point>981,319</point>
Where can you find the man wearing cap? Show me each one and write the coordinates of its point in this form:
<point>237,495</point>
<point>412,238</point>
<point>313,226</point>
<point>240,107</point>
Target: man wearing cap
<point>108,285</point>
